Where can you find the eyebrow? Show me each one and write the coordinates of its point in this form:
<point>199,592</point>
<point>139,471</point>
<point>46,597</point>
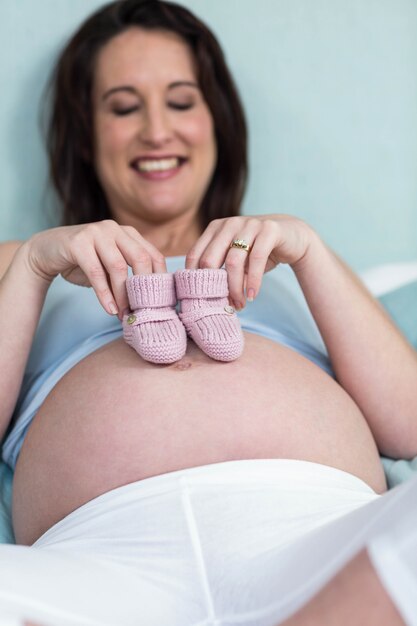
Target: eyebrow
<point>132,90</point>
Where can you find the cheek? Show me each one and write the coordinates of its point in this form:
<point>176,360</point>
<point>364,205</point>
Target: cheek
<point>110,139</point>
<point>200,133</point>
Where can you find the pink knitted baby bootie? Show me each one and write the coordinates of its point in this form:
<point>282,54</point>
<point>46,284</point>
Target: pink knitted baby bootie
<point>153,329</point>
<point>205,312</point>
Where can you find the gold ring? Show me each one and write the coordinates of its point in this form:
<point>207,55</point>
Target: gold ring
<point>241,244</point>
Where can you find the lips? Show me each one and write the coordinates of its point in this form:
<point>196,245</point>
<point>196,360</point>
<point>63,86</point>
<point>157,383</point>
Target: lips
<point>160,167</point>
<point>157,164</point>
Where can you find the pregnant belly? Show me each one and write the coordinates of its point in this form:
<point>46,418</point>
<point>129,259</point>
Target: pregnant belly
<point>115,419</point>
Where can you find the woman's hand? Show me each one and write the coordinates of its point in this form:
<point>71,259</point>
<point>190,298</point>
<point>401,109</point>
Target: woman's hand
<point>273,239</point>
<point>94,255</point>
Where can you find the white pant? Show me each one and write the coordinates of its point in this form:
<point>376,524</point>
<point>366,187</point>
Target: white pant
<point>238,543</point>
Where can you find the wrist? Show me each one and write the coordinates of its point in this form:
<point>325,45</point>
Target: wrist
<point>26,269</point>
<point>314,252</point>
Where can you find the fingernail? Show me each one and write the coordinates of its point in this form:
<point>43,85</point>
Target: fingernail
<point>251,295</point>
<point>125,312</point>
<point>112,308</point>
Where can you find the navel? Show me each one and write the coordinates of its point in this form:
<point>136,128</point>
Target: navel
<point>182,365</point>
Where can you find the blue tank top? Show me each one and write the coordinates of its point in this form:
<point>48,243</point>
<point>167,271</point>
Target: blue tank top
<point>73,324</point>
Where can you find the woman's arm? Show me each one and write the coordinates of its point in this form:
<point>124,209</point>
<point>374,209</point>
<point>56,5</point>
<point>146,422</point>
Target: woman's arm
<point>22,295</point>
<point>96,255</point>
<point>370,357</point>
<point>372,360</point>
<point>7,252</point>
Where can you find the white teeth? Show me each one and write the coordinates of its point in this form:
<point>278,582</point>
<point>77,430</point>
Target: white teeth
<point>157,166</point>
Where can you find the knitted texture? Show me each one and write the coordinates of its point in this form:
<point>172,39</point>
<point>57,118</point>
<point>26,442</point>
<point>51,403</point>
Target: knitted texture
<point>205,312</point>
<point>153,328</point>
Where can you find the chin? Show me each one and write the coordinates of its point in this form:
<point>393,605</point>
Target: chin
<point>165,210</point>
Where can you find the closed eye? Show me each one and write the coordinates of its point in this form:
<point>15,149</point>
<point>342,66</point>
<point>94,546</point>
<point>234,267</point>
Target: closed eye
<point>180,107</point>
<point>125,111</point>
<point>173,105</point>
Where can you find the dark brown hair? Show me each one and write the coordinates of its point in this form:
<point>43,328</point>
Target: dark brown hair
<point>70,132</point>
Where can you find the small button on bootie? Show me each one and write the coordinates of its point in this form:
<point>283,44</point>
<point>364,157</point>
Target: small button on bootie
<point>205,312</point>
<point>153,328</point>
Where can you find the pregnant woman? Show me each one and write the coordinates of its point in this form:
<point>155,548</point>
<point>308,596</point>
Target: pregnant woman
<point>183,488</point>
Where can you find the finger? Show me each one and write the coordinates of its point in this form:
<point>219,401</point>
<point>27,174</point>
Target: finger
<point>262,246</point>
<point>89,262</point>
<point>218,252</point>
<point>192,259</point>
<point>213,255</point>
<point>145,258</point>
<point>115,264</point>
<point>236,264</point>
<point>203,255</point>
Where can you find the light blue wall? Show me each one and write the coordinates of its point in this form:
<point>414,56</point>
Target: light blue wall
<point>330,89</point>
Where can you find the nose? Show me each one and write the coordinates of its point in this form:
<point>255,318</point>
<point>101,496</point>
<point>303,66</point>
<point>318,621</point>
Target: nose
<point>156,129</point>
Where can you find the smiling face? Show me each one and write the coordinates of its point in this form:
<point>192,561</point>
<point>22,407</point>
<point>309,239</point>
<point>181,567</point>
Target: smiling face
<point>155,149</point>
